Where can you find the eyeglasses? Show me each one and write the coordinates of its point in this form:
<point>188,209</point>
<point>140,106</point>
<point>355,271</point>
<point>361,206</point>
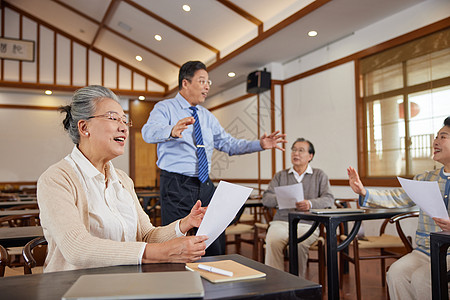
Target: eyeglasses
<point>115,117</point>
<point>204,82</point>
<point>301,150</point>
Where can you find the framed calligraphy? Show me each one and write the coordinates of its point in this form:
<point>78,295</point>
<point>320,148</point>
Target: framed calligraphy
<point>17,49</point>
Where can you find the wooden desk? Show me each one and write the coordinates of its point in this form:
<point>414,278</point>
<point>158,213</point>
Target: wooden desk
<point>19,236</point>
<point>5,213</point>
<point>331,222</point>
<point>276,285</point>
<point>8,204</point>
<point>439,243</point>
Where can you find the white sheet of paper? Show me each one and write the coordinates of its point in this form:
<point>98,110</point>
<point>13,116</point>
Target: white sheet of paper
<point>288,195</point>
<point>426,195</point>
<point>225,204</point>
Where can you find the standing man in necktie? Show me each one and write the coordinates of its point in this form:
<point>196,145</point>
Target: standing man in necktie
<point>186,134</point>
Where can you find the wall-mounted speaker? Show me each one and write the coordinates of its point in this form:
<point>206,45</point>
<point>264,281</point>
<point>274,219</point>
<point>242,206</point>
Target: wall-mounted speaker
<point>258,82</point>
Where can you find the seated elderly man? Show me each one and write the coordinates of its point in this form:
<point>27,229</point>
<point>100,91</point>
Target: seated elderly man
<point>317,194</point>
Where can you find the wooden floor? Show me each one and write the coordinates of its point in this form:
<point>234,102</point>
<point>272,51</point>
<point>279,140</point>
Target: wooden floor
<point>370,276</point>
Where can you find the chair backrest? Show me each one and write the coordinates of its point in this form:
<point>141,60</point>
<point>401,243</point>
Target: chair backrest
<point>24,206</point>
<point>396,220</point>
<point>25,219</point>
<point>4,260</point>
<point>346,203</point>
<point>34,253</point>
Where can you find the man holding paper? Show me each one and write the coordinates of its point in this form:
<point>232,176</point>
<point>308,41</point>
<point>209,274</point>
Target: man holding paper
<point>310,188</point>
<point>410,276</point>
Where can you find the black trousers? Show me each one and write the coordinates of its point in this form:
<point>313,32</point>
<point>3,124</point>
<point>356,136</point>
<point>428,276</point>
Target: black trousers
<point>179,194</point>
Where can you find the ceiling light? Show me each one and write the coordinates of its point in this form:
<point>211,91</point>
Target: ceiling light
<point>186,7</point>
<point>158,37</point>
<point>138,58</point>
<point>141,98</point>
<point>312,33</point>
<point>48,92</point>
<point>231,74</point>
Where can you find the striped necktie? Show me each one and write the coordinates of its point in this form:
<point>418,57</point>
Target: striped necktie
<point>201,153</point>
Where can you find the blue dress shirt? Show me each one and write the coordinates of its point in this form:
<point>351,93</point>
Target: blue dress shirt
<point>178,155</point>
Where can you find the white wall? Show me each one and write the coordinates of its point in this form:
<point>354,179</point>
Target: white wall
<point>34,139</point>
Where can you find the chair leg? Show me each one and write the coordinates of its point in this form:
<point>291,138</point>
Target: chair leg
<point>383,269</point>
<point>321,264</point>
<point>357,269</point>
<point>341,270</point>
<point>237,240</point>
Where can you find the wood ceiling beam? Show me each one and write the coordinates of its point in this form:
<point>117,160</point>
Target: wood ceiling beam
<point>76,11</point>
<point>244,14</point>
<point>173,26</point>
<point>72,88</point>
<point>109,12</point>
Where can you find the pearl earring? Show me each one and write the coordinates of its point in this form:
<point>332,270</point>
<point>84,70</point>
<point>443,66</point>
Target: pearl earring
<point>87,133</point>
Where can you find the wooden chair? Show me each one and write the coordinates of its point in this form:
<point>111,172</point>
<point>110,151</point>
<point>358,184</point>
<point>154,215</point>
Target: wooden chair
<point>319,245</point>
<point>389,246</point>
<point>236,230</point>
<point>25,219</point>
<point>34,254</point>
<point>4,260</point>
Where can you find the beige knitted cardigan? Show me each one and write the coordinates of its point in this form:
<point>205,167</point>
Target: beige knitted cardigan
<point>65,220</point>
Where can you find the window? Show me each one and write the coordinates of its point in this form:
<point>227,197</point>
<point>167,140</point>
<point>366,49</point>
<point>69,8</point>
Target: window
<point>406,97</point>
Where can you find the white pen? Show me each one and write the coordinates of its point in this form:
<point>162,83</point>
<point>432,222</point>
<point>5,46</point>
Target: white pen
<point>215,270</point>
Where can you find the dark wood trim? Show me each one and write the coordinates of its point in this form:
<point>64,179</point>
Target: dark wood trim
<point>264,35</point>
<point>112,7</point>
<point>38,52</point>
<point>173,26</point>
<point>258,130</point>
<point>3,183</point>
<point>283,127</point>
<point>117,75</point>
<point>71,63</point>
<point>232,101</point>
<point>77,11</point>
<point>3,35</point>
<point>132,149</point>
<point>20,37</point>
<point>68,88</point>
<point>35,107</point>
<point>243,13</point>
<point>360,123</point>
<point>272,129</point>
<point>87,66</point>
<point>103,70</point>
<point>237,180</point>
<point>340,182</point>
<point>55,49</point>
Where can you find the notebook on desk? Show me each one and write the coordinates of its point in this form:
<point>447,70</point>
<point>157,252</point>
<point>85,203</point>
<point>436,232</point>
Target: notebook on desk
<point>336,210</point>
<point>240,272</point>
<point>155,285</point>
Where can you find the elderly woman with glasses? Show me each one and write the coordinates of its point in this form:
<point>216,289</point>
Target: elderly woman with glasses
<point>316,194</point>
<point>89,210</point>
